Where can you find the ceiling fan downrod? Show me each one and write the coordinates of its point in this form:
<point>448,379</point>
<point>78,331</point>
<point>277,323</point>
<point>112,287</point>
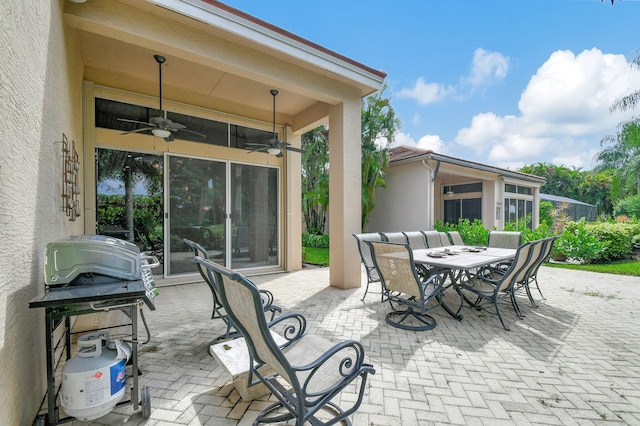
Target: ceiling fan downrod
<point>160,60</point>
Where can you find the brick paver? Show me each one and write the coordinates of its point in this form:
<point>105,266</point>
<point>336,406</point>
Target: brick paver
<point>573,361</point>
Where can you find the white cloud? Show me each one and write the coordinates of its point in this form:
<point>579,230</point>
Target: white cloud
<point>403,139</point>
<point>427,93</point>
<point>432,142</point>
<point>487,67</point>
<point>564,112</point>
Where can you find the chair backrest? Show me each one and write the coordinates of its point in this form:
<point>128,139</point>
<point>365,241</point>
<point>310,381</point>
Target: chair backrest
<point>536,251</point>
<point>241,299</point>
<point>505,239</point>
<point>394,237</point>
<point>455,238</point>
<point>545,251</point>
<point>433,239</point>
<point>517,268</point>
<point>198,250</point>
<point>416,240</point>
<point>365,250</point>
<point>395,265</point>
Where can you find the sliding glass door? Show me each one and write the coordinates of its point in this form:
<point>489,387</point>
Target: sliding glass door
<point>254,218</point>
<point>230,209</point>
<point>197,211</point>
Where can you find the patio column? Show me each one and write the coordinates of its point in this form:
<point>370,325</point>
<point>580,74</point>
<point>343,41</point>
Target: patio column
<point>344,193</point>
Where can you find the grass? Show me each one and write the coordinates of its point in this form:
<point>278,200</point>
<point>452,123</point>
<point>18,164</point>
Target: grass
<point>621,267</point>
<point>316,256</point>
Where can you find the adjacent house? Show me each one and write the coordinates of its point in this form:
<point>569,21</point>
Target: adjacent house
<point>423,187</point>
<point>154,120</point>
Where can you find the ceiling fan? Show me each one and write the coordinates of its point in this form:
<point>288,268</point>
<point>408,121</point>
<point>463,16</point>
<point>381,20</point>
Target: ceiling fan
<point>160,126</point>
<point>273,146</point>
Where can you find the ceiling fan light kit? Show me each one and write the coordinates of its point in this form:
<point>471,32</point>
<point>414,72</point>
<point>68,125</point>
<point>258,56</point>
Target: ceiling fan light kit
<point>160,126</point>
<point>273,146</point>
<point>161,133</point>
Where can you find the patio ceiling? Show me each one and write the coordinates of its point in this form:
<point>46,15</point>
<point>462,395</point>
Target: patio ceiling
<point>207,66</point>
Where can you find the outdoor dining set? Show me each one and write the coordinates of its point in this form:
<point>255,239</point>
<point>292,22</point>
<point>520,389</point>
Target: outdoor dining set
<point>267,351</point>
<point>414,269</point>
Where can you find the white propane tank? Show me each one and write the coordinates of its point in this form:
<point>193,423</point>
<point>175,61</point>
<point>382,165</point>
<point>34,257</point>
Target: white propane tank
<point>93,381</point>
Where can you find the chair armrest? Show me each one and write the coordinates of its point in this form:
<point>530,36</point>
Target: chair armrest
<point>335,367</point>
<point>290,326</point>
<point>267,303</point>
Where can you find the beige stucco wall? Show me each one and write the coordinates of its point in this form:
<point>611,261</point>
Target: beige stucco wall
<point>404,204</point>
<point>38,105</point>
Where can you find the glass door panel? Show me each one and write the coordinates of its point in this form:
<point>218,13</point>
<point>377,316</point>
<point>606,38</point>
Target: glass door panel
<point>254,218</point>
<point>129,199</point>
<point>197,211</point>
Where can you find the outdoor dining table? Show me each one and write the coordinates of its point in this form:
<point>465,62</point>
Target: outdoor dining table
<point>457,260</point>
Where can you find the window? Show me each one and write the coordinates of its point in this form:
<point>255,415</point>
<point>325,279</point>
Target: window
<point>462,201</point>
<point>110,115</point>
<point>518,204</point>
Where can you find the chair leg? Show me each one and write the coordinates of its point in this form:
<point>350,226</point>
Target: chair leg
<point>500,316</point>
<point>528,290</point>
<point>538,287</point>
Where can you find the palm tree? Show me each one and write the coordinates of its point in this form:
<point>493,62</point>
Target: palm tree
<point>379,127</point>
<point>623,153</point>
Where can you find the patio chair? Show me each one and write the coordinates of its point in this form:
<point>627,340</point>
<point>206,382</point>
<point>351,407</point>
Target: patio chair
<point>218,310</point>
<point>486,288</point>
<point>435,240</point>
<point>402,285</point>
<point>394,237</point>
<point>365,255</point>
<point>505,239</point>
<point>306,373</point>
<point>455,238</point>
<point>546,245</point>
<point>416,240</point>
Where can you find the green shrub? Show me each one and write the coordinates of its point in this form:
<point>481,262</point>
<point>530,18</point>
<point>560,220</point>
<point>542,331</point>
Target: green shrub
<point>314,240</point>
<point>629,206</point>
<point>472,233</point>
<point>577,243</point>
<point>616,236</point>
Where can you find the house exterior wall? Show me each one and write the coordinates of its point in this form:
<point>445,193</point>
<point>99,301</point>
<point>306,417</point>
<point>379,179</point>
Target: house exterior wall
<point>404,205</point>
<point>40,98</point>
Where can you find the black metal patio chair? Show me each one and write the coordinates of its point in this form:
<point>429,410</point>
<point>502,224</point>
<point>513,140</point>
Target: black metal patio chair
<point>266,296</point>
<point>306,373</point>
<point>402,285</point>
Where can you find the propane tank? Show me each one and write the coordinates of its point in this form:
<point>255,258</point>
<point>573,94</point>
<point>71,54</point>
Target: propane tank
<point>93,381</point>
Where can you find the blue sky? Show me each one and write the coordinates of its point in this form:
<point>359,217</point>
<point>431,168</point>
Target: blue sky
<point>503,82</point>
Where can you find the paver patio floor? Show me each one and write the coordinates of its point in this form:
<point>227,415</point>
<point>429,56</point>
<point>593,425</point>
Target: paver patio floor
<point>573,361</point>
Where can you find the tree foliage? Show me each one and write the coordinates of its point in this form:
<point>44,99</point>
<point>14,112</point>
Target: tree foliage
<point>315,179</point>
<point>379,127</point>
<point>593,187</point>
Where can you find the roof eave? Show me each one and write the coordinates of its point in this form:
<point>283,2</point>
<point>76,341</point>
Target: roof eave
<point>236,22</point>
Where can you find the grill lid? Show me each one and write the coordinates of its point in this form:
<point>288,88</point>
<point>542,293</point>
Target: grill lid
<point>91,254</point>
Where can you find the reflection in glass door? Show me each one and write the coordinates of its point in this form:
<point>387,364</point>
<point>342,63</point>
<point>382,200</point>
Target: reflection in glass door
<point>129,199</point>
<point>254,216</point>
<point>197,211</point>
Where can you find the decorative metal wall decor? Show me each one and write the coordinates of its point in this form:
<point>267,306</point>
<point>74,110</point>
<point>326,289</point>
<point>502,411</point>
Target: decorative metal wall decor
<point>70,185</point>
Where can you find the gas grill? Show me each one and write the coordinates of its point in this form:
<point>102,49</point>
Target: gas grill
<point>86,275</point>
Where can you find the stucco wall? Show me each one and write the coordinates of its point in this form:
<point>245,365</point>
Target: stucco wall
<point>40,88</point>
<point>402,205</point>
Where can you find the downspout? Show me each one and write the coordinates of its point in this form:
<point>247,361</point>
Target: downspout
<point>431,193</point>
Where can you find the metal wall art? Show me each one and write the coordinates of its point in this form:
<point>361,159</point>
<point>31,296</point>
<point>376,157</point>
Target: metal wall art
<point>70,185</point>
